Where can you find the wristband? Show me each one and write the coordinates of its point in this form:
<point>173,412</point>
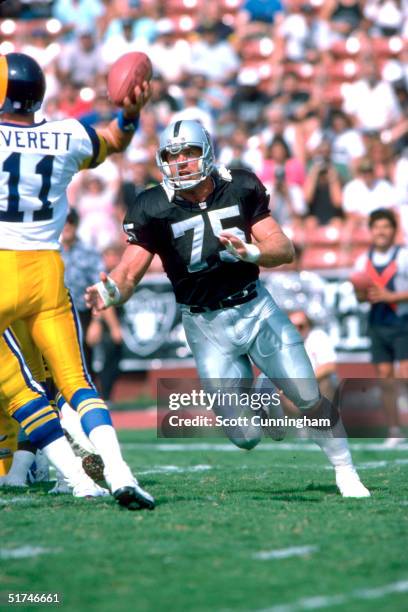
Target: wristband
<point>127,125</point>
<point>109,292</point>
<point>252,254</point>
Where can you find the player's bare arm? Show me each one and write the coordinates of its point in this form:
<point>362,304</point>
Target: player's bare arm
<point>381,294</point>
<point>116,138</point>
<point>273,247</point>
<point>119,286</point>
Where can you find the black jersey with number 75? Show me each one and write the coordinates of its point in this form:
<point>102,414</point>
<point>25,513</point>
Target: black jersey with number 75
<point>185,235</point>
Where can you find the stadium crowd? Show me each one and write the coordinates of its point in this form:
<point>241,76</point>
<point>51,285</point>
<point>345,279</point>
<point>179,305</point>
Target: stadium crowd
<point>310,95</point>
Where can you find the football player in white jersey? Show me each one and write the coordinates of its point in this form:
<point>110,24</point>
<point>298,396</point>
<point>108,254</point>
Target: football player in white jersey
<point>37,162</point>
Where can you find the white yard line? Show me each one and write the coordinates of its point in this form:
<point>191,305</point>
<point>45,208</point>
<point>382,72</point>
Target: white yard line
<point>266,446</point>
<point>285,553</point>
<point>327,601</point>
<point>24,552</point>
<point>176,469</point>
<point>28,499</point>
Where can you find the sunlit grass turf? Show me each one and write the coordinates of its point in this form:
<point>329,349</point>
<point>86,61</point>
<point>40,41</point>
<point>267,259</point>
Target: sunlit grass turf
<point>196,550</point>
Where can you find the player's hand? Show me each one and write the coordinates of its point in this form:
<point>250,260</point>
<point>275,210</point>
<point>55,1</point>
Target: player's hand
<point>103,294</point>
<point>132,108</point>
<point>237,247</point>
<point>379,294</point>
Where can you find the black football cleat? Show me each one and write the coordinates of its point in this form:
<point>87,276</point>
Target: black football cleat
<point>134,498</point>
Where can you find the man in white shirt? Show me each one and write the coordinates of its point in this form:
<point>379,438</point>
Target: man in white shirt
<point>320,351</point>
<point>366,193</point>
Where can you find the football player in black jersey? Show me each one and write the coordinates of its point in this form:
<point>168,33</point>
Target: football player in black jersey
<point>201,221</point>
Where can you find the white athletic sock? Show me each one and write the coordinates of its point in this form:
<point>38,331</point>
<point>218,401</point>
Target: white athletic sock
<point>106,442</point>
<point>22,461</point>
<point>61,456</point>
<point>335,448</point>
<point>71,422</point>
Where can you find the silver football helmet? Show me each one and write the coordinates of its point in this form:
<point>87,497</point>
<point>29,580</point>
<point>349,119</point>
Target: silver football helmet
<point>176,137</point>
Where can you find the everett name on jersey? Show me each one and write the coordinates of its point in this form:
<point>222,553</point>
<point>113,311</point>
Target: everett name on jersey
<point>37,163</point>
<point>185,235</point>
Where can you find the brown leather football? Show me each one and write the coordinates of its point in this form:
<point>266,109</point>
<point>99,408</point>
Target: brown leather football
<point>128,71</point>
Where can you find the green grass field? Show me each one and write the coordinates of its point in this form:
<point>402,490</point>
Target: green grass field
<point>213,541</point>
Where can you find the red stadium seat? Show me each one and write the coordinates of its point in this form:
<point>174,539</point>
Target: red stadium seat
<point>175,8</point>
<point>325,235</point>
<point>360,236</point>
<point>347,70</point>
<point>387,47</point>
<point>324,258</point>
<point>257,48</point>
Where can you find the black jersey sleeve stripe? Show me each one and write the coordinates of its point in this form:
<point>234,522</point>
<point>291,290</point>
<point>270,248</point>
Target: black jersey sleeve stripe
<point>94,138</point>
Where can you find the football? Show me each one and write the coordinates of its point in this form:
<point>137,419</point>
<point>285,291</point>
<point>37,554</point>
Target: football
<point>128,71</point>
<point>361,281</point>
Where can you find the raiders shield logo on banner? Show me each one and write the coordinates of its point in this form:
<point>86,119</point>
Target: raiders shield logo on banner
<point>148,319</point>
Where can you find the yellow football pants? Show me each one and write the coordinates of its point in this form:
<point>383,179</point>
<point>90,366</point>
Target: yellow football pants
<point>8,426</point>
<point>35,293</point>
<point>8,441</point>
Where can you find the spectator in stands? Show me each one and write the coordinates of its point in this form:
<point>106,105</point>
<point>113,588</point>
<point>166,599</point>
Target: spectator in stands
<point>386,268</point>
<point>170,55</point>
<point>320,350</point>
<point>70,104</point>
<point>263,10</point>
<point>82,266</point>
<point>277,125</point>
<point>213,56</point>
<point>278,155</point>
<point>194,107</point>
<point>135,178</point>
<point>301,31</point>
<point>347,142</point>
<point>107,330</point>
<point>286,203</point>
<point>71,13</point>
<point>365,193</point>
<point>249,100</point>
<point>387,15</point>
<point>162,102</point>
<point>95,202</point>
<point>323,187</point>
<point>344,16</point>
<point>291,95</point>
<point>371,101</point>
<point>81,61</point>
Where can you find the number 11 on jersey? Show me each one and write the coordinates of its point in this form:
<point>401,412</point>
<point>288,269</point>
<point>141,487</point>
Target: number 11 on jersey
<point>12,165</point>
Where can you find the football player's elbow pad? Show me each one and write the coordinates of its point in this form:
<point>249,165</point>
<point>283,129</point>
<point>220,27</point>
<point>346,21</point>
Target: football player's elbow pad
<point>251,255</point>
<point>109,292</point>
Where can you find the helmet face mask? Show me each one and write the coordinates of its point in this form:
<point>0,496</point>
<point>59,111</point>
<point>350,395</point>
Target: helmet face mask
<point>22,84</point>
<point>182,136</point>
